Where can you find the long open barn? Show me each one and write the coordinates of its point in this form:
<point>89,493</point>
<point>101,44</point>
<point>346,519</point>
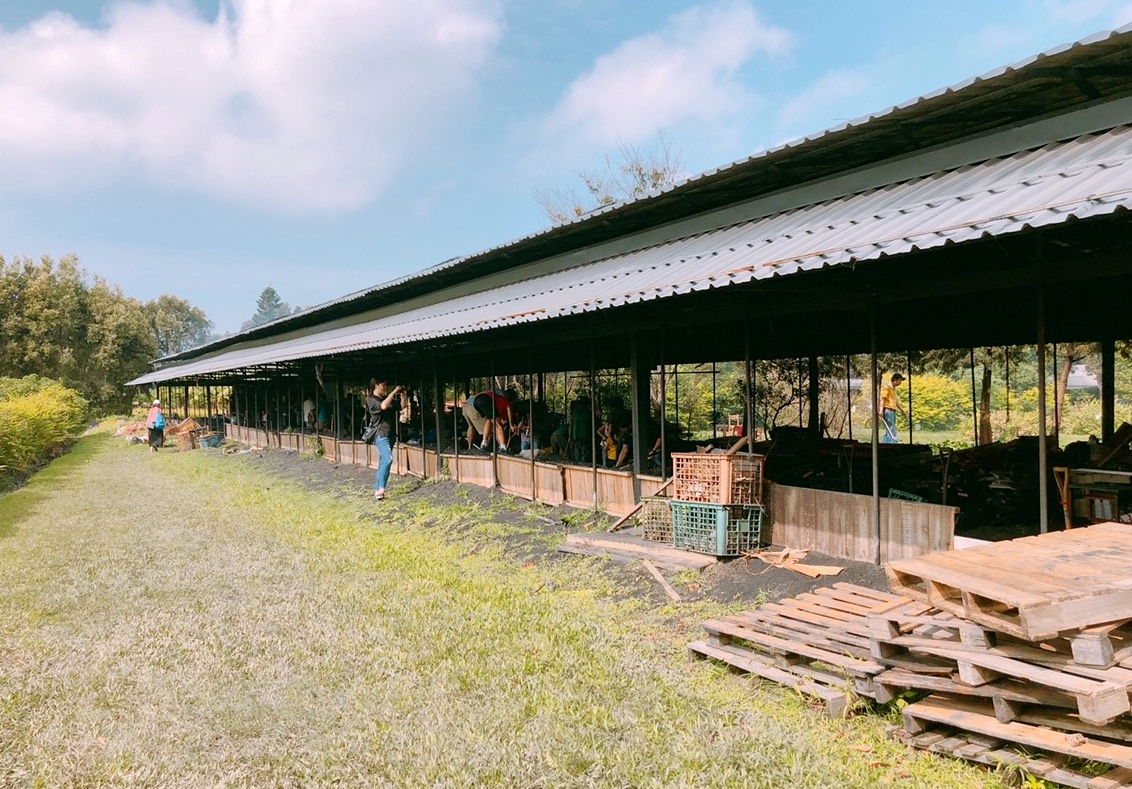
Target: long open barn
<point>989,214</point>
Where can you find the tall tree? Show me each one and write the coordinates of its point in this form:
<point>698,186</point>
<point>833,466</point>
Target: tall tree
<point>176,324</point>
<point>947,361</point>
<point>57,322</point>
<point>120,345</point>
<point>269,307</point>
<point>632,173</point>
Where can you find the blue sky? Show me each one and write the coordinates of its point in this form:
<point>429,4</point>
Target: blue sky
<point>208,148</point>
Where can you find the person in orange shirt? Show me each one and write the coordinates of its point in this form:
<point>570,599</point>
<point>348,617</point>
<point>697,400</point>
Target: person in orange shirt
<point>889,405</point>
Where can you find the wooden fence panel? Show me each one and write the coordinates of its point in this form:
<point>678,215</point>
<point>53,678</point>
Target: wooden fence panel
<point>615,491</point>
<point>578,486</point>
<point>841,524</point>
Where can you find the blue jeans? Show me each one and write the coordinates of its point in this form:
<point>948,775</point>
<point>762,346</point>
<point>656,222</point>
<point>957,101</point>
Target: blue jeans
<point>888,436</point>
<point>384,462</point>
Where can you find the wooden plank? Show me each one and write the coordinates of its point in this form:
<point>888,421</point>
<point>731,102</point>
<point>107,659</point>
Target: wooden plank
<point>1009,690</point>
<point>972,716</point>
<point>668,590</point>
<point>987,751</point>
<point>836,703</point>
<point>855,666</point>
<point>631,548</point>
<point>1097,702</point>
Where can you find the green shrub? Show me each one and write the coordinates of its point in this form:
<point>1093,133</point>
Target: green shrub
<point>938,403</point>
<point>38,419</point>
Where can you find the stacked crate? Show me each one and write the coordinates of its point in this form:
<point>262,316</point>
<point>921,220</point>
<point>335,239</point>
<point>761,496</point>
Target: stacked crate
<point>717,507</point>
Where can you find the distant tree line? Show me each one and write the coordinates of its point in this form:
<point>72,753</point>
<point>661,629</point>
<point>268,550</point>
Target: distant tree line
<point>58,321</point>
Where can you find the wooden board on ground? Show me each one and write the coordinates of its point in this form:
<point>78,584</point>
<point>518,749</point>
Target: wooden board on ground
<point>820,636</point>
<point>1053,768</point>
<point>978,717</point>
<point>626,547</point>
<point>1032,587</point>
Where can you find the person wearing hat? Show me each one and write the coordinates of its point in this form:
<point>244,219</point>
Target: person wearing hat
<point>889,406</point>
<point>155,421</point>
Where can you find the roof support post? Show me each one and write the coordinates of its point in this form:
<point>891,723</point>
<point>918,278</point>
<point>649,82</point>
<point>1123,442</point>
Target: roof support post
<point>593,423</point>
<point>494,427</point>
<point>531,417</point>
<point>875,378</point>
<point>1043,492</point>
<point>815,387</point>
<point>1108,384</point>
<point>424,449</point>
<point>338,412</point>
<point>749,404</point>
<point>911,422</point>
<point>456,422</point>
<point>639,382</point>
<point>438,403</point>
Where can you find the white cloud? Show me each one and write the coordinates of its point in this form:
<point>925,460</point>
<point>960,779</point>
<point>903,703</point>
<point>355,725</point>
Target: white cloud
<point>286,104</point>
<point>686,72</point>
<point>813,109</point>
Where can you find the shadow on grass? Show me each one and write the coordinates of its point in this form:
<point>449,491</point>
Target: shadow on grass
<point>22,500</point>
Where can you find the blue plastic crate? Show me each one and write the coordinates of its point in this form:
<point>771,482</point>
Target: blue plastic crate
<point>716,529</point>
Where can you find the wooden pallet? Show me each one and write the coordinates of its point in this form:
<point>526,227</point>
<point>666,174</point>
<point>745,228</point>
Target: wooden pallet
<point>1101,695</point>
<point>817,642</point>
<point>976,716</point>
<point>1050,767</point>
<point>1034,587</point>
<point>1101,646</point>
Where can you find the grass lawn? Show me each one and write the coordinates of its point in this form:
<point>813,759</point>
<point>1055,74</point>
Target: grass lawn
<point>184,620</point>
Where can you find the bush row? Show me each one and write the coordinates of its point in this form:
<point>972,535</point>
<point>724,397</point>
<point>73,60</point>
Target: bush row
<point>39,418</point>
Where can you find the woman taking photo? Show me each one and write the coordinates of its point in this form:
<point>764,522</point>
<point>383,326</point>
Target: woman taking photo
<point>382,406</point>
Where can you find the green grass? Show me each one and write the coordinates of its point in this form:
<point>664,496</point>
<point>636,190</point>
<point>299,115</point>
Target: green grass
<point>186,620</point>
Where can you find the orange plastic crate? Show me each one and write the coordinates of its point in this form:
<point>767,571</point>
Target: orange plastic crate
<point>717,478</point>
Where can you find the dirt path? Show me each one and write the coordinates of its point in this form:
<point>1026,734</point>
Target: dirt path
<point>192,619</point>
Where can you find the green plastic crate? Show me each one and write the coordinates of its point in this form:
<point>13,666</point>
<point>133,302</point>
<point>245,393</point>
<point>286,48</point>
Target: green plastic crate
<point>716,529</point>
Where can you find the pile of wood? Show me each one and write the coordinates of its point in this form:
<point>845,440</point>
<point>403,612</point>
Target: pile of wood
<point>1016,648</point>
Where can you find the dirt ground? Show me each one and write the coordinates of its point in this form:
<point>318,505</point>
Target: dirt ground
<point>728,581</point>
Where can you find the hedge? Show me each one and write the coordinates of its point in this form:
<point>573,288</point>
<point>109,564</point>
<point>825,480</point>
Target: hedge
<point>39,418</point>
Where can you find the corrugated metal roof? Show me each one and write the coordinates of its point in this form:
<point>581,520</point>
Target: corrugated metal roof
<point>1086,177</point>
<point>973,85</point>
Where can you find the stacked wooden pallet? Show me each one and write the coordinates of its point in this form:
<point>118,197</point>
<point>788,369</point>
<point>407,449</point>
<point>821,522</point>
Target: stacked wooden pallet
<point>817,642</point>
<point>1026,643</point>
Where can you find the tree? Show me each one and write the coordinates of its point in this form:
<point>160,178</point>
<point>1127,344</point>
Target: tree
<point>176,324</point>
<point>120,345</point>
<point>269,307</point>
<point>57,322</point>
<point>946,361</point>
<point>633,174</point>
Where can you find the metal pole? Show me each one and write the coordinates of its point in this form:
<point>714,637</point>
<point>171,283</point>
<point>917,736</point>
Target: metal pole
<point>848,399</point>
<point>424,452</point>
<point>974,399</point>
<point>749,405</point>
<point>456,422</point>
<point>714,405</point>
<point>1057,398</point>
<point>876,427</point>
<point>593,422</point>
<point>531,418</point>
<point>1108,388</point>
<point>438,403</point>
<point>910,421</point>
<point>1043,493</point>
